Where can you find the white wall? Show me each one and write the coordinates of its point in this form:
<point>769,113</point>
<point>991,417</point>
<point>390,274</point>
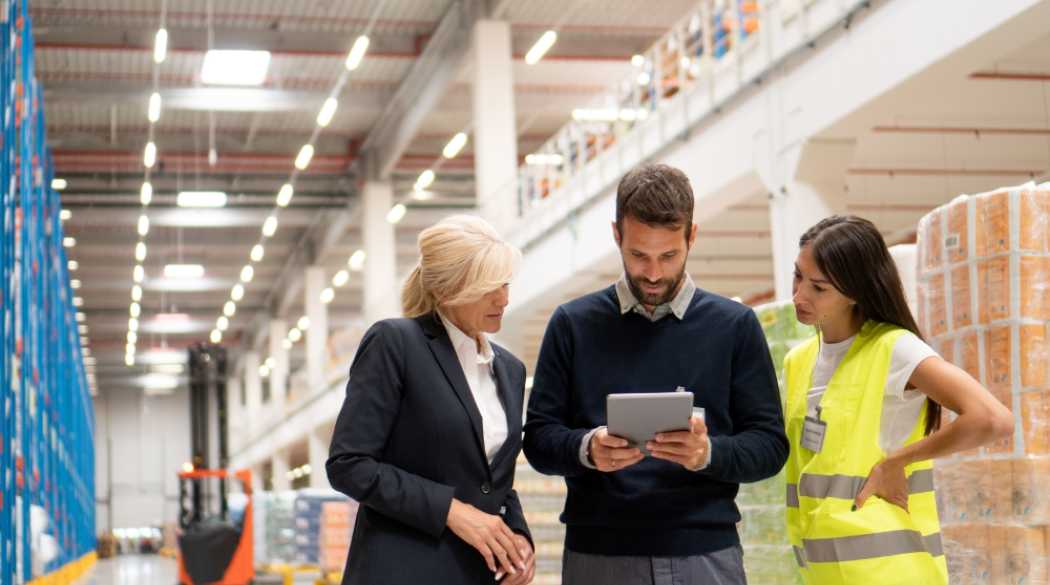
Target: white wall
<point>141,442</point>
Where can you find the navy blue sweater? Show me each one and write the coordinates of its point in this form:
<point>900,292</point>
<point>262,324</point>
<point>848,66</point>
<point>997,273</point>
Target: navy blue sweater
<point>655,508</point>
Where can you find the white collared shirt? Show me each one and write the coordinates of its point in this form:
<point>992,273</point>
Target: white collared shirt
<point>480,374</point>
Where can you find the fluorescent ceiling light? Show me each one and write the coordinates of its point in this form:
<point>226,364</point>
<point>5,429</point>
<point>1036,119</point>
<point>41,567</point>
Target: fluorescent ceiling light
<point>184,271</point>
<point>149,158</point>
<point>229,309</point>
<point>154,107</point>
<point>65,214</point>
<point>247,272</point>
<point>133,337</point>
<point>340,278</point>
<point>164,356</point>
<point>455,145</point>
<point>238,292</point>
<point>257,252</point>
<point>160,50</point>
<point>81,317</point>
<point>286,343</point>
<point>135,309</point>
<point>284,196</point>
<point>140,251</point>
<point>295,334</point>
<point>305,154</point>
<point>222,67</point>
<point>327,111</point>
<point>264,371</point>
<point>168,317</point>
<point>638,61</point>
<point>540,48</point>
<point>90,361</point>
<point>357,52</point>
<point>222,324</point>
<point>269,227</point>
<point>216,336</point>
<point>644,78</point>
<point>543,159</point>
<point>167,369</point>
<point>129,359</point>
<point>75,284</point>
<point>327,295</point>
<point>136,293</point>
<point>143,225</point>
<point>138,274</point>
<point>270,362</point>
<point>78,302</point>
<point>158,391</point>
<point>357,260</point>
<point>304,323</point>
<point>69,242</point>
<point>73,265</point>
<point>133,324</point>
<point>426,178</point>
<point>159,381</point>
<point>147,193</point>
<point>396,213</point>
<point>201,199</point>
<point>59,184</point>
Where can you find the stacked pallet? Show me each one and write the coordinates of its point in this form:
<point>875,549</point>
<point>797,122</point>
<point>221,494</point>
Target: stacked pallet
<point>336,530</point>
<point>984,274</point>
<point>308,507</point>
<point>280,527</point>
<point>768,557</point>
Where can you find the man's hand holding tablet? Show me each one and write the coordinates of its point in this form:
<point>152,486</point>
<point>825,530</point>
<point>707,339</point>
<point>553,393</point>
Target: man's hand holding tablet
<point>686,448</point>
<point>611,453</point>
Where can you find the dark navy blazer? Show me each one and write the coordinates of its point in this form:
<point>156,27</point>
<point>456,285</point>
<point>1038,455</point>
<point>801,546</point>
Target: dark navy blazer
<point>409,439</point>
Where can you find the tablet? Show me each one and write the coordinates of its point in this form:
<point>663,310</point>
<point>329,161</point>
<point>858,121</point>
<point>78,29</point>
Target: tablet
<point>638,417</point>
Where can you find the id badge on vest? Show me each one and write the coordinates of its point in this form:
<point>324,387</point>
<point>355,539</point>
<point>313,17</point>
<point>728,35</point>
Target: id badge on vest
<point>813,430</point>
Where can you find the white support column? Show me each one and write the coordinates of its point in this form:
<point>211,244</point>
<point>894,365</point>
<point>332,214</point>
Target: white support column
<point>279,371</point>
<point>381,297</point>
<point>318,454</point>
<point>281,483</point>
<point>495,135</point>
<point>252,390</point>
<point>812,188</point>
<point>317,333</point>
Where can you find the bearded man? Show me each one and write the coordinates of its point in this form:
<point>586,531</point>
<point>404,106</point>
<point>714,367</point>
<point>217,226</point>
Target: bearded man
<point>669,518</point>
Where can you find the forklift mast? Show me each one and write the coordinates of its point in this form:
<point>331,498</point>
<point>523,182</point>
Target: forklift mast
<point>207,371</point>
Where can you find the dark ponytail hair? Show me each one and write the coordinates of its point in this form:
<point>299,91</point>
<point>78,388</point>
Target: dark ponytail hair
<point>851,253</point>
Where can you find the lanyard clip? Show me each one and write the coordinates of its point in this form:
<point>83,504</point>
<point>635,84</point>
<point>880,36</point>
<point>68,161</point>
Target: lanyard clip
<point>819,408</point>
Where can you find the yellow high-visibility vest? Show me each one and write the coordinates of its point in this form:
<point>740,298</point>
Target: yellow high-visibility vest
<point>879,543</point>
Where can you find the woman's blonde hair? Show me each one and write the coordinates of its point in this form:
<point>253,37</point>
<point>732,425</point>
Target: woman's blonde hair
<point>461,258</point>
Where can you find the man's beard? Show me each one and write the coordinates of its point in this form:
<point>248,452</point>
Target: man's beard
<point>654,299</point>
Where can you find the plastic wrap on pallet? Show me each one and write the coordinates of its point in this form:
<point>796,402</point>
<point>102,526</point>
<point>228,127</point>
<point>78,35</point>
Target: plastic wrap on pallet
<point>983,280</point>
<point>336,532</point>
<point>768,557</point>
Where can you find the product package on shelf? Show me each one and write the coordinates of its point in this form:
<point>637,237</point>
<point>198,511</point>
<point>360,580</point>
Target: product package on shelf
<point>983,279</point>
<point>280,527</point>
<point>768,557</point>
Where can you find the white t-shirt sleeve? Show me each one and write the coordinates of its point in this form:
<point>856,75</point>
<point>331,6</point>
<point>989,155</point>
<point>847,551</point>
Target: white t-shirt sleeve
<point>901,408</point>
<point>908,353</point>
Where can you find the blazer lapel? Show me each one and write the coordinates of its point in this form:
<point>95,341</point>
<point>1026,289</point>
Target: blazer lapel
<point>511,405</point>
<point>445,354</point>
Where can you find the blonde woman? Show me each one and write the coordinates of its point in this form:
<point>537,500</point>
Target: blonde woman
<point>430,430</point>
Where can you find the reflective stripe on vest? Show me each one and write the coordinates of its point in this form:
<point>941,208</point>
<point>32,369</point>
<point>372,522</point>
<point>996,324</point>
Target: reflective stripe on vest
<point>871,546</point>
<point>847,487</point>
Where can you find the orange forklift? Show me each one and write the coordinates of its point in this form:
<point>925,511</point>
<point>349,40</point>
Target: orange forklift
<point>215,541</point>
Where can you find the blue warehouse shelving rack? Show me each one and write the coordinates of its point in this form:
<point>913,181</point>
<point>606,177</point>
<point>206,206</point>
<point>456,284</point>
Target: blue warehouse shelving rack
<point>47,430</point>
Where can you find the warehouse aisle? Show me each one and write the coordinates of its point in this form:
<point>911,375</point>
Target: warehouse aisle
<point>132,570</point>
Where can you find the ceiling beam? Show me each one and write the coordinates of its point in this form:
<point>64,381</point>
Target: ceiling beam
<point>420,90</point>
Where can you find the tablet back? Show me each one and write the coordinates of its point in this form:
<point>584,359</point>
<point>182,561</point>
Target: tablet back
<point>638,417</point>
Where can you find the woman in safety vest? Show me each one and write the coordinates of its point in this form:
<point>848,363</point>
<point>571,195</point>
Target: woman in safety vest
<point>864,401</point>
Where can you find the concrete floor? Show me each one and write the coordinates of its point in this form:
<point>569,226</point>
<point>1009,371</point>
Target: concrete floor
<point>132,570</point>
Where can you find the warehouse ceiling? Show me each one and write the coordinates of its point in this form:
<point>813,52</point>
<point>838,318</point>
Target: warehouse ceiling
<point>95,63</point>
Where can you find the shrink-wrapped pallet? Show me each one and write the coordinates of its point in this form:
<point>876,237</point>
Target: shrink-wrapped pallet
<point>337,526</point>
<point>983,280</point>
<point>768,557</point>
